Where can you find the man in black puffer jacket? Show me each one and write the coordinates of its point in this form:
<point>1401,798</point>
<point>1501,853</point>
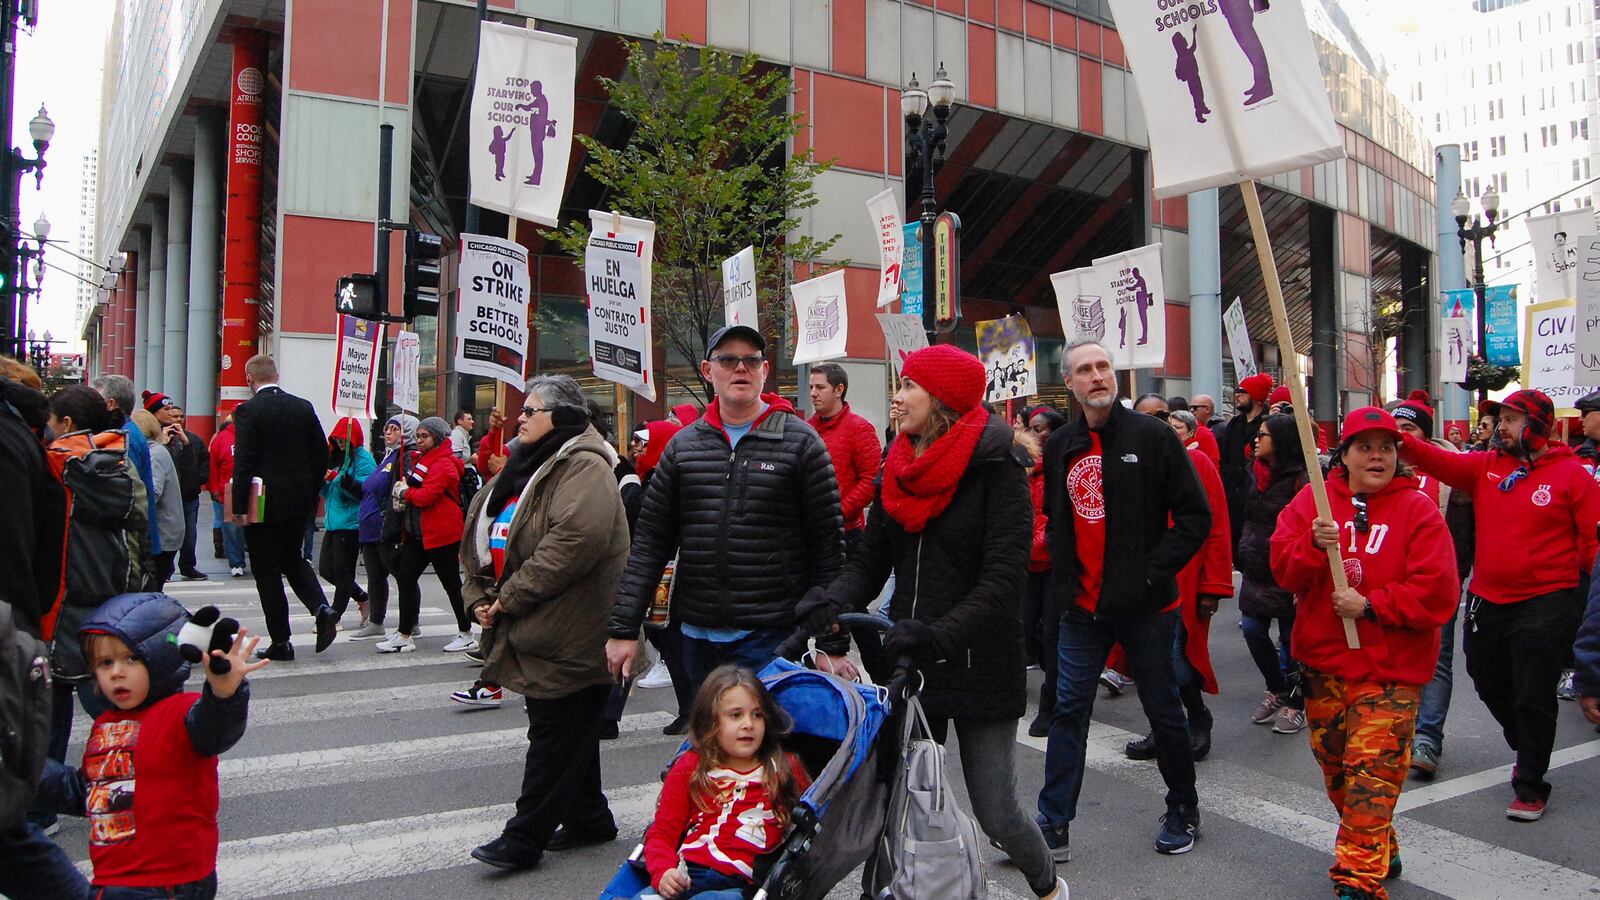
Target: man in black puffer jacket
<point>747,498</point>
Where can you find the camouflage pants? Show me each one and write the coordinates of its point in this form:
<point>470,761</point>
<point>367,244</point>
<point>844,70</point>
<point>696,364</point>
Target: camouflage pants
<point>1361,736</point>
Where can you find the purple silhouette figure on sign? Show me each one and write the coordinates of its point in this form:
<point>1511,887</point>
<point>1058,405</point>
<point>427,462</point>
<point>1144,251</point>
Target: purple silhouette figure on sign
<point>1122,328</point>
<point>1241,16</point>
<point>1141,297</point>
<point>497,147</point>
<point>1188,71</point>
<point>540,126</point>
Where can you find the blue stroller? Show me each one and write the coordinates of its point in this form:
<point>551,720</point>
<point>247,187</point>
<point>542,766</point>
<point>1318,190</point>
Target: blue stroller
<point>837,821</point>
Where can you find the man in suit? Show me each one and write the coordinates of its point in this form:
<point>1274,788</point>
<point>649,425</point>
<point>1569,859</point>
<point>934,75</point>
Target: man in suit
<point>279,440</point>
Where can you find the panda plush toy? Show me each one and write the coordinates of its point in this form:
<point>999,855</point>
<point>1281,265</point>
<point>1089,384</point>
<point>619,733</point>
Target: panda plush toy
<point>206,631</point>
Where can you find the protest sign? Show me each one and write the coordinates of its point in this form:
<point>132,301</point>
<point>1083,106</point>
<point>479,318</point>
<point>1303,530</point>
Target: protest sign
<point>885,212</point>
<point>1244,355</point>
<point>1456,312</point>
<point>1081,299</point>
<point>492,308</point>
<point>1548,360</point>
<point>616,271</point>
<point>355,367</point>
<point>739,289</point>
<point>1586,343</point>
<point>1007,350</point>
<point>521,122</point>
<point>1138,302</point>
<point>903,334</point>
<point>1555,252</point>
<point>405,371</point>
<point>822,318</point>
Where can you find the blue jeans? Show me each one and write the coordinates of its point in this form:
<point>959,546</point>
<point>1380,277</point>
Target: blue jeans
<point>752,652</point>
<point>232,538</point>
<point>707,884</point>
<point>32,865</point>
<point>1436,693</point>
<point>1275,661</point>
<point>1085,644</point>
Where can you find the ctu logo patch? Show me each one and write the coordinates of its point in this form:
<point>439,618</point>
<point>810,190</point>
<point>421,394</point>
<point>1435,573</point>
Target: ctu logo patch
<point>1541,497</point>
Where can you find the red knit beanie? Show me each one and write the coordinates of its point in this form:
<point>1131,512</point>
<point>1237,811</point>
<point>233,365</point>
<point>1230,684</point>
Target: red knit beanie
<point>1258,386</point>
<point>955,377</point>
<point>1280,394</point>
<point>154,401</point>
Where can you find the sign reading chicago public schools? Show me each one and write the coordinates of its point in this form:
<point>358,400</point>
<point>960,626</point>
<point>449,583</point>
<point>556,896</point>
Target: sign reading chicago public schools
<point>520,133</point>
<point>355,366</point>
<point>492,309</point>
<point>616,273</point>
<point>1231,90</point>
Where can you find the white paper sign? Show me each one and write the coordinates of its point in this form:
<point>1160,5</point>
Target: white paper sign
<point>1456,330</point>
<point>822,317</point>
<point>405,373</point>
<point>1082,298</point>
<point>885,213</point>
<point>1007,350</point>
<point>1586,361</point>
<point>904,336</point>
<point>492,309</point>
<point>1137,337</point>
<point>355,366</point>
<point>616,271</point>
<point>739,289</point>
<point>1231,90</point>
<point>1244,355</point>
<point>1555,252</point>
<point>521,126</point>
<point>1547,351</point>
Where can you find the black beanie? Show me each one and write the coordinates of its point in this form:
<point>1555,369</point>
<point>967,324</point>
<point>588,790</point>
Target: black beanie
<point>1417,414</point>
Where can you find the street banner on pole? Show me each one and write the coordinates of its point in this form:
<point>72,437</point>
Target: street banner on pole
<point>739,289</point>
<point>1457,313</point>
<point>406,371</point>
<point>1547,354</point>
<point>617,266</point>
<point>492,309</point>
<point>1138,297</point>
<point>1231,90</point>
<point>1586,350</point>
<point>823,318</point>
<point>1244,355</point>
<point>1555,252</point>
<point>355,367</point>
<point>1082,296</point>
<point>520,133</point>
<point>911,269</point>
<point>1007,350</point>
<point>1500,325</point>
<point>903,334</point>
<point>885,212</point>
<point>241,267</point>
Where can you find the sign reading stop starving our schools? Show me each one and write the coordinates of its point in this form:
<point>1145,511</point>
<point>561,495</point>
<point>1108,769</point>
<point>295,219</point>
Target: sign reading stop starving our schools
<point>492,309</point>
<point>616,273</point>
<point>520,133</point>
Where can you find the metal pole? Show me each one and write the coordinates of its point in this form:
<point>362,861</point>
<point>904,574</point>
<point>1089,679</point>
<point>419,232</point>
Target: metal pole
<point>1478,290</point>
<point>12,185</point>
<point>385,176</point>
<point>930,214</point>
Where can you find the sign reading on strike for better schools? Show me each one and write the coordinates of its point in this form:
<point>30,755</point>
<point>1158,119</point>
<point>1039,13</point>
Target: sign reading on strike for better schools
<point>616,273</point>
<point>1007,350</point>
<point>1547,353</point>
<point>885,213</point>
<point>1586,346</point>
<point>355,366</point>
<point>903,334</point>
<point>521,121</point>
<point>1231,90</point>
<point>739,305</point>
<point>492,309</point>
<point>1244,355</point>
<point>1456,317</point>
<point>406,370</point>
<point>822,317</point>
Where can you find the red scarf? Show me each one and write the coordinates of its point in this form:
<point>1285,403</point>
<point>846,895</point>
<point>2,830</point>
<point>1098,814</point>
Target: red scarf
<point>916,489</point>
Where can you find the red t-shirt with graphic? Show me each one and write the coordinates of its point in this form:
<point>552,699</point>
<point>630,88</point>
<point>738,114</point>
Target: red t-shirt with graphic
<point>1087,491</point>
<point>153,800</point>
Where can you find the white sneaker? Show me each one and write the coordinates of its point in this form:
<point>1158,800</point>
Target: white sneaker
<point>237,571</point>
<point>462,641</point>
<point>397,643</point>
<point>657,677</point>
<point>367,632</point>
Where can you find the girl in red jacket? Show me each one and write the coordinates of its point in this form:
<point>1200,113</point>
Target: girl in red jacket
<point>432,490</point>
<point>726,802</point>
<point>1362,704</point>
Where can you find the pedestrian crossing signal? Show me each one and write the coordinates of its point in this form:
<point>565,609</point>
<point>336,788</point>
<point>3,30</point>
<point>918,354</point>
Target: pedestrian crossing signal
<point>358,296</point>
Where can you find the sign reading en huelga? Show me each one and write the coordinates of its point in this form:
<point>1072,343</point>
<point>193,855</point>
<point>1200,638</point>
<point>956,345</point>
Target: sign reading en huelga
<point>616,273</point>
<point>521,123</point>
<point>1231,90</point>
<point>492,309</point>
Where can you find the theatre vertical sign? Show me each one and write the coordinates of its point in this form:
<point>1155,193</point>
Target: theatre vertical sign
<point>241,268</point>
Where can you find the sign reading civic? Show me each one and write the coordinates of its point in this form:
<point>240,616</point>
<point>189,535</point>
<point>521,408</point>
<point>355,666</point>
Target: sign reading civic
<point>521,121</point>
<point>616,273</point>
<point>1547,354</point>
<point>355,367</point>
<point>492,308</point>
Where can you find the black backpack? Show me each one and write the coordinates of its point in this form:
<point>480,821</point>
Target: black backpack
<point>471,481</point>
<point>24,716</point>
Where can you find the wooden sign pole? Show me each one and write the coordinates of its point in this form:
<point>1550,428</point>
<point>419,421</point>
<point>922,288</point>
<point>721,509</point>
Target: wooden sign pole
<point>1297,391</point>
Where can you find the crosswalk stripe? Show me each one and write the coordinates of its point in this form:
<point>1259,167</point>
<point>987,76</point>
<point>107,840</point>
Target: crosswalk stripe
<point>1439,791</point>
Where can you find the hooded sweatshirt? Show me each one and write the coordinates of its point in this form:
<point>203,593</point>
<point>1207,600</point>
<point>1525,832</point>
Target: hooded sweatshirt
<point>1543,527</point>
<point>343,487</point>
<point>149,779</point>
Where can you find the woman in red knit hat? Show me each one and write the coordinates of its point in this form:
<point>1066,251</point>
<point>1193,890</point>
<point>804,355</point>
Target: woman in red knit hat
<point>1362,704</point>
<point>953,519</point>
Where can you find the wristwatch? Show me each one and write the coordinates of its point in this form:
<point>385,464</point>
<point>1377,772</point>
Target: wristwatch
<point>1368,614</point>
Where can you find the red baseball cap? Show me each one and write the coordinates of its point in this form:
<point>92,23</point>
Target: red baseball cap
<point>1368,418</point>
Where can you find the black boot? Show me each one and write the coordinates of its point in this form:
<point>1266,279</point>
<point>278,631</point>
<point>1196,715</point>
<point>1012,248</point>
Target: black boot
<point>1142,748</point>
<point>1040,727</point>
<point>1200,732</point>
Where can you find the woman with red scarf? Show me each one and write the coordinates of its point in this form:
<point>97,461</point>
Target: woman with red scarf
<point>954,521</point>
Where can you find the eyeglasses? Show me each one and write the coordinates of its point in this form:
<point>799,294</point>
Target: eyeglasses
<point>1360,503</point>
<point>731,363</point>
<point>531,411</point>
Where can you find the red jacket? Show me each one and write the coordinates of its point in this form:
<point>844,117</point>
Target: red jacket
<point>1206,443</point>
<point>1533,539</point>
<point>493,444</point>
<point>1209,573</point>
<point>221,451</point>
<point>1405,565</point>
<point>1039,557</point>
<point>731,836</point>
<point>852,443</point>
<point>435,488</point>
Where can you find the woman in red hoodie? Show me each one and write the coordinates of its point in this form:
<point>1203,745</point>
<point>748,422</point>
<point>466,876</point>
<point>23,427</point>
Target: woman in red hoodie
<point>1362,704</point>
<point>431,490</point>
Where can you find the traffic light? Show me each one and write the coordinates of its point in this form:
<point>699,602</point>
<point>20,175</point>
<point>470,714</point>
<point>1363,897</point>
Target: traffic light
<point>423,251</point>
<point>358,296</point>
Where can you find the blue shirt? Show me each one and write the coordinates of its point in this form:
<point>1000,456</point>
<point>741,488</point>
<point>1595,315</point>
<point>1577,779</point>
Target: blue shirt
<point>736,432</point>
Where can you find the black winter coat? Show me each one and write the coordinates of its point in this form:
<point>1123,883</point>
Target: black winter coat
<point>754,527</point>
<point>1259,594</point>
<point>34,527</point>
<point>1146,477</point>
<point>193,462</point>
<point>1235,468</point>
<point>963,576</point>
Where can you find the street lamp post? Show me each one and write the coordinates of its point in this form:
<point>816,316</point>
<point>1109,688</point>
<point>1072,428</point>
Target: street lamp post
<point>25,254</point>
<point>1476,234</point>
<point>925,142</point>
<point>40,130</point>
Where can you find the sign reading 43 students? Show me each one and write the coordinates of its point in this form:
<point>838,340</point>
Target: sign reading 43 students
<point>492,309</point>
<point>616,273</point>
<point>739,289</point>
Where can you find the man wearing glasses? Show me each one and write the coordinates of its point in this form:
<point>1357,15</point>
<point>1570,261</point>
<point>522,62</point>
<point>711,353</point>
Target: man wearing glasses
<point>747,499</point>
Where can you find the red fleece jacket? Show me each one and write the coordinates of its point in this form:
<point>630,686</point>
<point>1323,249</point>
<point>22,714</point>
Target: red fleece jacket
<point>852,443</point>
<point>435,481</point>
<point>1533,539</point>
<point>1404,564</point>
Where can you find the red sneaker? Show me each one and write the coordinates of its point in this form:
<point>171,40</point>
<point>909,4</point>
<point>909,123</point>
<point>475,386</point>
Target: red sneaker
<point>1525,810</point>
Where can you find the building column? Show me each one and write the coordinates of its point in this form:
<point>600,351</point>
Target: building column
<point>1415,335</point>
<point>141,313</point>
<point>1205,295</point>
<point>1327,375</point>
<point>1454,401</point>
<point>174,365</point>
<point>205,255</point>
<point>154,374</point>
<point>129,280</point>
